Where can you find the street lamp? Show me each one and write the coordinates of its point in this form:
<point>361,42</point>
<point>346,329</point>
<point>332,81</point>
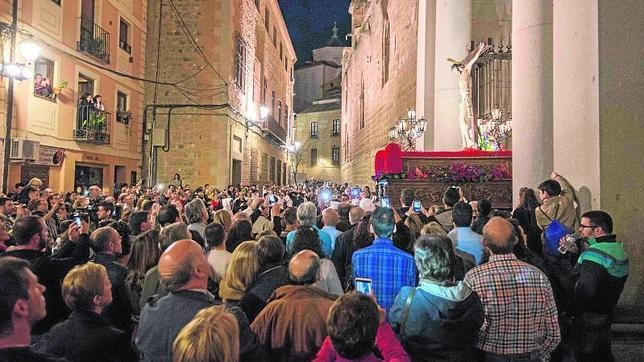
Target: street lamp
<point>407,130</point>
<point>293,150</point>
<point>30,51</point>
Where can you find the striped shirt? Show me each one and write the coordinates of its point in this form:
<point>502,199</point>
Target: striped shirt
<point>520,311</point>
<point>388,267</point>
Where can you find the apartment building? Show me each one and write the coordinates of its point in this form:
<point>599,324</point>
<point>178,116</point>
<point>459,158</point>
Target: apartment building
<point>224,116</point>
<point>78,121</point>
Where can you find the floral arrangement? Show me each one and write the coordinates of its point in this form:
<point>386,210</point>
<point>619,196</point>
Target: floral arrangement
<point>460,172</point>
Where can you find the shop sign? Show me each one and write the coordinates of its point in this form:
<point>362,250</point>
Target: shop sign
<point>50,156</point>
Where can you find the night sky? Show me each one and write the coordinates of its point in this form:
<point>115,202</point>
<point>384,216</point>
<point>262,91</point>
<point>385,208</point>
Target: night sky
<point>310,22</point>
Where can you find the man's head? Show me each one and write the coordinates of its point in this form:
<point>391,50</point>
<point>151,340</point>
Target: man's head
<point>6,206</point>
<point>355,215</point>
<point>484,207</point>
<point>196,212</point>
<point>451,197</point>
<point>290,216</point>
<point>407,197</point>
<point>106,240</point>
<point>33,193</point>
<point>352,324</point>
<point>595,224</point>
<point>171,233</point>
<point>304,267</point>
<point>87,287</point>
<point>31,231</point>
<point>382,221</point>
<point>307,214</point>
<point>215,235</point>
<point>104,210</point>
<point>462,214</point>
<point>138,222</point>
<point>167,215</point>
<point>499,236</point>
<point>22,300</point>
<point>270,250</point>
<point>330,217</point>
<point>184,266</point>
<point>343,210</point>
<point>38,204</point>
<point>549,188</point>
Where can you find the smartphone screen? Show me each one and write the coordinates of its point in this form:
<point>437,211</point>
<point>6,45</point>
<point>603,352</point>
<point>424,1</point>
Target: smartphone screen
<point>272,199</point>
<point>363,285</point>
<point>417,205</point>
<point>384,202</point>
<point>77,220</point>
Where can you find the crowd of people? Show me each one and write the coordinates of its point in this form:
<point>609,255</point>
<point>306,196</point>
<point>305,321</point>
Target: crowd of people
<point>315,271</point>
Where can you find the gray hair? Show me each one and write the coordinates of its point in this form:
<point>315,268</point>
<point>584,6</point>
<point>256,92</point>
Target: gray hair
<point>193,211</point>
<point>355,214</point>
<point>433,259</point>
<point>171,233</point>
<point>180,277</point>
<point>307,214</point>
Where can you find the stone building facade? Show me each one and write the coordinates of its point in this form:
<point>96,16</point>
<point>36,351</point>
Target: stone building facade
<point>317,133</point>
<point>398,60</point>
<point>85,44</point>
<point>224,59</point>
<point>576,95</point>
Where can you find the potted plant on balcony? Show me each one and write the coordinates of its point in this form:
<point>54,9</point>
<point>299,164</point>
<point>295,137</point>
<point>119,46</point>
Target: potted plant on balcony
<point>95,126</point>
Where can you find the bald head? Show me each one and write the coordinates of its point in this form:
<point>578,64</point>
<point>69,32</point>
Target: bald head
<point>330,217</point>
<point>499,236</point>
<point>177,265</point>
<point>304,267</point>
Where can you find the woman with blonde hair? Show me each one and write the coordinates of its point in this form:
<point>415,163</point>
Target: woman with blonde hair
<point>240,274</point>
<point>222,217</point>
<point>212,335</point>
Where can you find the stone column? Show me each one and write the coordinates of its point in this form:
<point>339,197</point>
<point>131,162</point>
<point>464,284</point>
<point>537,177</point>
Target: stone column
<point>453,33</point>
<point>532,152</point>
<point>598,119</point>
<point>425,70</point>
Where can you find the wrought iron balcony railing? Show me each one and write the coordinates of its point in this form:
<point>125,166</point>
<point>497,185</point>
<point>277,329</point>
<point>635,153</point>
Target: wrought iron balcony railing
<point>94,41</point>
<point>92,125</point>
<point>276,130</point>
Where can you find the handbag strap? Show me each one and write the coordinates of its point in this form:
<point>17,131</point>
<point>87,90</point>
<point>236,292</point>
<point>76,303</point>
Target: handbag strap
<point>405,314</point>
<point>556,212</point>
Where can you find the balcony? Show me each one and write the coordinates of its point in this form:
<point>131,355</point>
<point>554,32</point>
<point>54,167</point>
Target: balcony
<point>92,125</point>
<point>275,130</point>
<point>94,41</point>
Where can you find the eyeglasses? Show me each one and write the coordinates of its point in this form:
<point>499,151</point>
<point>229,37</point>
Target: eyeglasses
<point>582,226</point>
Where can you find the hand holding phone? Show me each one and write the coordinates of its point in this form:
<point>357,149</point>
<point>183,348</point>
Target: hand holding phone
<point>384,202</point>
<point>417,206</point>
<point>363,285</point>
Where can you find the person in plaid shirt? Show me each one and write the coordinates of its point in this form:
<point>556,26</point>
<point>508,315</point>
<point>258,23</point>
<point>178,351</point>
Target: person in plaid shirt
<point>520,313</point>
<point>388,267</point>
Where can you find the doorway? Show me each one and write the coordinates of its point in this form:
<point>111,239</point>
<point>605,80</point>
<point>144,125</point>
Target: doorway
<point>120,177</point>
<point>236,176</point>
<point>86,176</point>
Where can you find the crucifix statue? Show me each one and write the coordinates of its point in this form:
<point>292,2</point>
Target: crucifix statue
<point>466,111</point>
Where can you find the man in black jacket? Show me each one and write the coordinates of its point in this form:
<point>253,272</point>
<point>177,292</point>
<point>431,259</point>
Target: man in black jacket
<point>106,242</point>
<point>31,235</point>
<point>23,304</point>
<point>344,247</point>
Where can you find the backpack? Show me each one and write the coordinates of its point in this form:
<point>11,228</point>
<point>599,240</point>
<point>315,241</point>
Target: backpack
<point>552,233</point>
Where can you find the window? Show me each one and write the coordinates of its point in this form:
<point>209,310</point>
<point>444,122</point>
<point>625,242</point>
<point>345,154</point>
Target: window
<point>314,129</point>
<point>122,115</point>
<point>286,64</point>
<point>121,101</point>
<point>314,157</point>
<point>257,4</point>
<point>335,155</point>
<point>281,52</point>
<point>336,127</point>
<point>274,36</point>
<point>240,63</point>
<point>279,112</point>
<point>44,78</point>
<point>57,2</point>
<point>267,21</point>
<point>272,170</point>
<point>264,91</point>
<point>273,104</point>
<point>286,115</point>
<point>123,32</point>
